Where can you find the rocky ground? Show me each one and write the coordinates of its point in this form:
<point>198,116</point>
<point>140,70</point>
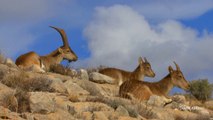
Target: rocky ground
<point>83,95</point>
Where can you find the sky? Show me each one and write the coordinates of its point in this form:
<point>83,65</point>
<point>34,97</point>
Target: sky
<point>115,33</point>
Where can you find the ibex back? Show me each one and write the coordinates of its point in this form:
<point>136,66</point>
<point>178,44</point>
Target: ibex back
<point>143,69</point>
<point>43,63</point>
<point>143,90</point>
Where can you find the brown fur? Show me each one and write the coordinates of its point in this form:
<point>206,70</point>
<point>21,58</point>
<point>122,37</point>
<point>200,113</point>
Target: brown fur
<point>43,63</point>
<point>143,69</point>
<point>143,90</point>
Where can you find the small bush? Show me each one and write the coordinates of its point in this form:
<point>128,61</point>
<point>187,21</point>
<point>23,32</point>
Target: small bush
<point>22,81</point>
<point>201,89</point>
<point>9,101</point>
<point>60,69</point>
<point>23,101</point>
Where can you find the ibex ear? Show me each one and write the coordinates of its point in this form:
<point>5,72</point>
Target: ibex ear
<point>140,60</point>
<point>170,69</point>
<point>60,50</point>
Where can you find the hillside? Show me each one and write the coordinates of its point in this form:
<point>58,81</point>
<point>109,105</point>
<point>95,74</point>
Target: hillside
<point>79,96</point>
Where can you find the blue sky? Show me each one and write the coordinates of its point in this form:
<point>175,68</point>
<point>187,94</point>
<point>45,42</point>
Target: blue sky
<point>115,33</point>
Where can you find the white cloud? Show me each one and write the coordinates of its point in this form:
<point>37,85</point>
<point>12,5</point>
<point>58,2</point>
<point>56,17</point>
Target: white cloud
<point>173,9</point>
<point>20,18</point>
<point>118,35</point>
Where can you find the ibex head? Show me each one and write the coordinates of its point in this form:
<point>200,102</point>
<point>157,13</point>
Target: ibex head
<point>178,78</point>
<point>146,67</point>
<point>65,50</point>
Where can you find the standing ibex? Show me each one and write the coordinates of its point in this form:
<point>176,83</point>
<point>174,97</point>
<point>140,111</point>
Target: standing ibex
<point>43,63</point>
<point>143,90</point>
<point>143,69</point>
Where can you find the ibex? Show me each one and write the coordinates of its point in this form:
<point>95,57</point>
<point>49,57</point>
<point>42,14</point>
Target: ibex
<point>43,63</point>
<point>143,69</point>
<point>143,90</point>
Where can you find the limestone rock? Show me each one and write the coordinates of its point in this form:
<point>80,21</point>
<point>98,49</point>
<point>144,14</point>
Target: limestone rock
<point>42,102</point>
<point>7,98</point>
<point>179,99</point>
<point>99,116</point>
<point>122,111</point>
<point>200,110</point>
<point>10,62</point>
<point>128,118</point>
<point>83,74</point>
<point>158,100</point>
<point>74,89</point>
<point>100,78</point>
<point>58,86</point>
<point>91,87</point>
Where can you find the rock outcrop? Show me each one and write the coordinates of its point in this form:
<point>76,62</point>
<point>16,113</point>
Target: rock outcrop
<point>53,96</point>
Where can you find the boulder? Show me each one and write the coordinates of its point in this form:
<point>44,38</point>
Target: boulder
<point>100,78</point>
<point>128,118</point>
<point>74,89</point>
<point>200,110</point>
<point>122,111</point>
<point>159,114</point>
<point>91,87</point>
<point>42,102</point>
<point>7,98</point>
<point>158,101</point>
<point>179,99</point>
<point>83,74</point>
<point>57,115</point>
<point>10,63</point>
<point>99,116</point>
<point>58,86</point>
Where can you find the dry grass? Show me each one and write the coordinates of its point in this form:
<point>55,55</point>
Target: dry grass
<point>209,104</point>
<point>9,101</point>
<point>133,108</point>
<point>23,101</point>
<point>64,70</point>
<point>2,58</point>
<point>24,82</point>
<point>91,70</point>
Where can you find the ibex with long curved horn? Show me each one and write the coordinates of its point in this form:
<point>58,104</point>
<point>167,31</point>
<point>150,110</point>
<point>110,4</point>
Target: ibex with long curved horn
<point>43,63</point>
<point>142,90</point>
<point>120,76</point>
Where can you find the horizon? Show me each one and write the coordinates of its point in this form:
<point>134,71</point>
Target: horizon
<point>115,33</point>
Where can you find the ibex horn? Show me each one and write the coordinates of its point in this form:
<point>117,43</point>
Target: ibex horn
<point>177,67</point>
<point>63,36</point>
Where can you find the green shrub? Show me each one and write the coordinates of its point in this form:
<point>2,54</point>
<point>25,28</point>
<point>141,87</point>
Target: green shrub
<point>201,89</point>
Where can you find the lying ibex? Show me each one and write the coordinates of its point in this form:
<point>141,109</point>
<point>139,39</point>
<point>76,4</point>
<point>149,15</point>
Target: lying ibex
<point>143,90</point>
<point>43,63</point>
<point>143,69</point>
